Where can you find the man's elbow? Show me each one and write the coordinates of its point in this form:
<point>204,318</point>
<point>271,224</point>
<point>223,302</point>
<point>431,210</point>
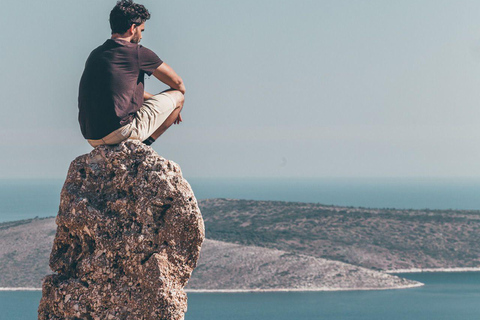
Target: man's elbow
<point>180,86</point>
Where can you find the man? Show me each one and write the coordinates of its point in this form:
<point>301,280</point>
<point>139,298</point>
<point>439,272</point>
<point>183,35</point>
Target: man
<point>113,105</point>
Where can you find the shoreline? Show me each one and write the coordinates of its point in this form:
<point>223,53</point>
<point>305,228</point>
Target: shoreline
<point>20,289</point>
<point>420,270</point>
<point>321,289</point>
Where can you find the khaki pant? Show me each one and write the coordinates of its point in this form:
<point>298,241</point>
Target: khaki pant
<point>149,118</point>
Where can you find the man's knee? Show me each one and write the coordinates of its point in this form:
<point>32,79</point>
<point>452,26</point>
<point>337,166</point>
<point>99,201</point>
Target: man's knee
<point>177,96</point>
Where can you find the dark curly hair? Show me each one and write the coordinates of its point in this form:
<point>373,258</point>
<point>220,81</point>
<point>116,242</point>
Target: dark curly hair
<point>126,13</point>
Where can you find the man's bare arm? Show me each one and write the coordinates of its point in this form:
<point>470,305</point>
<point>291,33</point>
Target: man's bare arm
<point>167,75</point>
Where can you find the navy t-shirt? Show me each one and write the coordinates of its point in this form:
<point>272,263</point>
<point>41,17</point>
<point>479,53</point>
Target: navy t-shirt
<point>112,86</point>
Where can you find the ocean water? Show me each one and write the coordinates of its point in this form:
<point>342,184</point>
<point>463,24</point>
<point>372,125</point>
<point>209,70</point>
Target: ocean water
<point>446,296</point>
<point>23,199</point>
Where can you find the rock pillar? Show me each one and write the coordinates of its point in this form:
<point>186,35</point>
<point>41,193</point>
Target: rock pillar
<point>129,233</point>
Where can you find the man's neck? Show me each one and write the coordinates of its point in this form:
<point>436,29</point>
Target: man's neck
<point>121,37</point>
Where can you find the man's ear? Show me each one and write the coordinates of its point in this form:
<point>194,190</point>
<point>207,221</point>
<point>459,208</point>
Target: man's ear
<point>131,29</point>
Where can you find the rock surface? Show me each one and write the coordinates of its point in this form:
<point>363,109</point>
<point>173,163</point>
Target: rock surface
<point>129,233</point>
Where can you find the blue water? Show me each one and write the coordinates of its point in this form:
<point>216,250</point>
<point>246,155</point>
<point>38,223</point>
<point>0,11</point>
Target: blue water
<point>22,199</point>
<point>445,296</point>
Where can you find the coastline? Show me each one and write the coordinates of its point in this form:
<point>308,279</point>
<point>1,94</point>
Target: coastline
<point>420,270</point>
<point>321,289</point>
<point>20,289</point>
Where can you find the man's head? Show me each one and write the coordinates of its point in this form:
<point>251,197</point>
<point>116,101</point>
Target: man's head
<point>127,15</point>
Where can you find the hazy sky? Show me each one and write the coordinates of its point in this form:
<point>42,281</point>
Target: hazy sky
<point>274,88</point>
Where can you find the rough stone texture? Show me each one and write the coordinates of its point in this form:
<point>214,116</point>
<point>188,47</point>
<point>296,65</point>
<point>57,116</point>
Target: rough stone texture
<point>129,233</point>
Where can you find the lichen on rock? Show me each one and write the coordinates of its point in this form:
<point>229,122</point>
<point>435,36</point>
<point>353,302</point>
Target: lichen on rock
<point>129,233</point>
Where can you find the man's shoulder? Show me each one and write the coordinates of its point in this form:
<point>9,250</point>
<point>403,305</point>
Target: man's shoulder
<point>108,49</point>
<point>145,49</point>
<point>146,53</point>
<point>100,48</point>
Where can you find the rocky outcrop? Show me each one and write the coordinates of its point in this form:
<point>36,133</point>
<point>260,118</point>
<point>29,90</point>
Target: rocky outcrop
<point>129,233</point>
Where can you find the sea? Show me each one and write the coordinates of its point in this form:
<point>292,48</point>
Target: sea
<point>452,295</point>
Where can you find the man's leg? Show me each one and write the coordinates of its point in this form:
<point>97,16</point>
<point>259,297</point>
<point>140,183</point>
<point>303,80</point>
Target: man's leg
<point>179,99</point>
<point>156,115</point>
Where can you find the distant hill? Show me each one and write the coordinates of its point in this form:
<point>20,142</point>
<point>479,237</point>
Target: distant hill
<point>231,266</point>
<point>26,246</point>
<point>286,245</point>
<point>382,239</point>
<point>25,250</point>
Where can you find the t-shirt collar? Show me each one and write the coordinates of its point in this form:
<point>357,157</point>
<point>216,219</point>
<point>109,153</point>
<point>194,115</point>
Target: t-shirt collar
<point>123,42</point>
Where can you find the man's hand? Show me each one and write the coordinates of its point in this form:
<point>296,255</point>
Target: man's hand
<point>147,95</point>
<point>179,119</point>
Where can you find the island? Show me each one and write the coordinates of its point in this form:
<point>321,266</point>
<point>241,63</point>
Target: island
<point>287,246</point>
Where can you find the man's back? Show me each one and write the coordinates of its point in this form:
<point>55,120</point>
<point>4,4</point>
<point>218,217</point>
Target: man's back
<point>112,86</point>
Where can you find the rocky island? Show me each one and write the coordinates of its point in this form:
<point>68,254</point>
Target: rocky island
<point>375,238</point>
<point>274,245</point>
<point>222,266</point>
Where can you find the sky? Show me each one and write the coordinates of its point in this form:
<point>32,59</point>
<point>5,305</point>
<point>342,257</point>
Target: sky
<point>288,89</point>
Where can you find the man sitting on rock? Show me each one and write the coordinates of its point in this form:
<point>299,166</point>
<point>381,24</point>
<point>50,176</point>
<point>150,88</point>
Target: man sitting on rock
<point>113,105</point>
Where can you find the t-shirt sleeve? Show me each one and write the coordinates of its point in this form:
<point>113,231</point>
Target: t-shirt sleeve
<point>148,60</point>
